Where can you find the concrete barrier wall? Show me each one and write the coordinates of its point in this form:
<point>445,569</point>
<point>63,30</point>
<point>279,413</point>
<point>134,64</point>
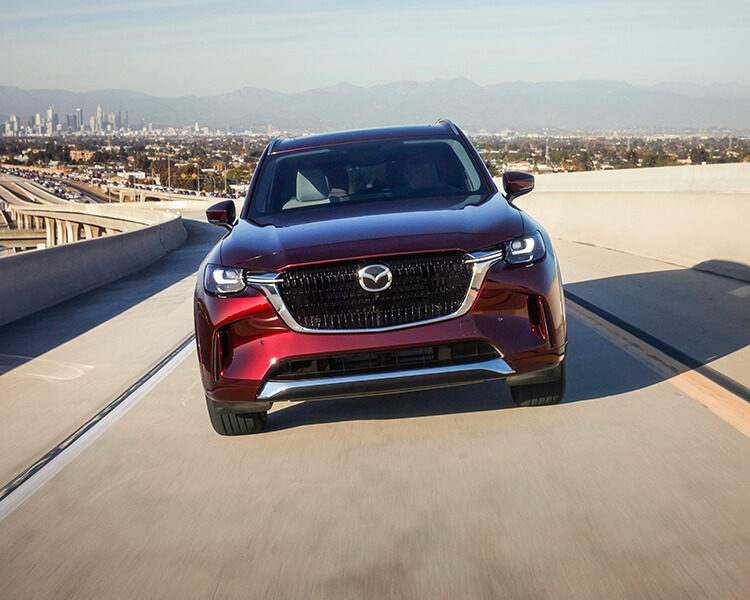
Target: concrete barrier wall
<point>619,210</point>
<point>197,205</point>
<point>39,279</point>
<point>725,178</point>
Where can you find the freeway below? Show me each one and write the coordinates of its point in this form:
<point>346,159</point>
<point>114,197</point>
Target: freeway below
<point>22,238</point>
<point>636,486</point>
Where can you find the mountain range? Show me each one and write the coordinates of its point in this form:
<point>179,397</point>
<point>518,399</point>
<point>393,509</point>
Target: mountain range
<point>516,105</point>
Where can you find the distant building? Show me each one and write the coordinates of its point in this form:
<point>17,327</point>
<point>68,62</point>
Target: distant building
<point>81,154</point>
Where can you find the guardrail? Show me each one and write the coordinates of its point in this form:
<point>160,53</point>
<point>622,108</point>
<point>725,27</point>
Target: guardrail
<point>38,279</point>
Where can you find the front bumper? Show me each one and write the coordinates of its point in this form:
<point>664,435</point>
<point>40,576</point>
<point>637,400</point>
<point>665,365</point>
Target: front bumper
<point>373,384</point>
<point>242,338</point>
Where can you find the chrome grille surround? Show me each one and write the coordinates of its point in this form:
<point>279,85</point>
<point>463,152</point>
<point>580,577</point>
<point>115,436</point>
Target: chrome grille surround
<point>476,265</point>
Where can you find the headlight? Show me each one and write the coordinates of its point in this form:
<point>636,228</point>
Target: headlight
<point>525,249</point>
<point>223,280</point>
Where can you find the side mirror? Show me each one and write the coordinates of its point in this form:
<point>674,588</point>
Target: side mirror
<point>222,214</point>
<point>517,184</point>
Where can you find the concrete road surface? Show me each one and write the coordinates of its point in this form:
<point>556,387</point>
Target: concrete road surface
<point>629,489</point>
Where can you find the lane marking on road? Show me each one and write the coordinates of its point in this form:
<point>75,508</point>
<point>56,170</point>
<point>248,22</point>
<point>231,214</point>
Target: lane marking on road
<point>700,383</point>
<point>741,292</point>
<point>14,493</point>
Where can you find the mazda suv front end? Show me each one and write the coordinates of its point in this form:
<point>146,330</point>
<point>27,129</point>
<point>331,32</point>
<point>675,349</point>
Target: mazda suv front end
<point>370,262</point>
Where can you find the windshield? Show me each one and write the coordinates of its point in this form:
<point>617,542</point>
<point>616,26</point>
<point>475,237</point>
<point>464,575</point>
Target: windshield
<point>394,170</point>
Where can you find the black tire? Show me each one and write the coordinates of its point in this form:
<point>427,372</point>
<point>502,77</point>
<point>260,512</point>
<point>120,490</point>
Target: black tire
<point>540,394</point>
<point>236,424</point>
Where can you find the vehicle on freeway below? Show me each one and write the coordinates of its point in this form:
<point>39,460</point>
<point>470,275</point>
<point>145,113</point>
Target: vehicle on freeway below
<point>370,262</point>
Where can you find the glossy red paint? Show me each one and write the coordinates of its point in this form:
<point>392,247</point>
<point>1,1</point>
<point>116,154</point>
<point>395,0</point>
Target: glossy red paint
<point>519,309</point>
<point>221,213</point>
<point>428,225</point>
<point>517,184</point>
<point>257,338</point>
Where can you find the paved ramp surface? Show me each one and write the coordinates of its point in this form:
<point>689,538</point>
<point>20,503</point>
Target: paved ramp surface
<point>630,488</point>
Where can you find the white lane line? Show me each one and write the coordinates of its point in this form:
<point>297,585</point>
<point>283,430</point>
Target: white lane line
<point>30,485</point>
<point>741,292</point>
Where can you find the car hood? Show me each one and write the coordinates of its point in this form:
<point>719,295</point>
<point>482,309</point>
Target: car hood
<point>271,247</point>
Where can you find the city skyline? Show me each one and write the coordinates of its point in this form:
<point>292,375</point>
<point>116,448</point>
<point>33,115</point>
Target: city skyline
<point>527,106</point>
<point>49,123</point>
<point>182,48</point>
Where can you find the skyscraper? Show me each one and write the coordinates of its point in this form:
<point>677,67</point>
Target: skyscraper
<point>79,119</point>
<point>99,118</point>
<point>52,120</point>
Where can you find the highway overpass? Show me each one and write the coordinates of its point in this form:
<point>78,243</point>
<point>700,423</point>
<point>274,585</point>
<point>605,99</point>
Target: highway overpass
<point>22,238</point>
<point>636,486</point>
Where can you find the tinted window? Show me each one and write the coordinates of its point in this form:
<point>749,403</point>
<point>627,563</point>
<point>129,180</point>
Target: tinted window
<point>394,170</point>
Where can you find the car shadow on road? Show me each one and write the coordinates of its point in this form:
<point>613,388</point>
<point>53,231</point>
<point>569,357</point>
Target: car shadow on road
<point>473,398</point>
<point>597,368</point>
<point>36,334</point>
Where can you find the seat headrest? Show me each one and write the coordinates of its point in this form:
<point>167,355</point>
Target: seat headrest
<point>312,185</point>
<point>420,174</point>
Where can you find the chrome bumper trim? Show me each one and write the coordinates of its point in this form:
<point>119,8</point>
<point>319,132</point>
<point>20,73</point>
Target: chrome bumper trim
<point>372,384</point>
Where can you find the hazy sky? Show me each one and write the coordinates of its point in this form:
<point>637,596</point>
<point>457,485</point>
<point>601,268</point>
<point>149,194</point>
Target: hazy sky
<point>179,47</point>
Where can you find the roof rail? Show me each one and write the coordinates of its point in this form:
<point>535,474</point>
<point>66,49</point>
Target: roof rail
<point>449,123</point>
<point>273,143</point>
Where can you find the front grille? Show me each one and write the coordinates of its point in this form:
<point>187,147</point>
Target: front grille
<point>385,360</point>
<point>328,296</point>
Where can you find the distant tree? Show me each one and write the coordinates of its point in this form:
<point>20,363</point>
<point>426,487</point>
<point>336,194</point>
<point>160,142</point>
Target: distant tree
<point>491,168</point>
<point>632,159</point>
<point>649,160</point>
<point>241,174</point>
<point>582,161</point>
<point>698,155</point>
<point>142,162</point>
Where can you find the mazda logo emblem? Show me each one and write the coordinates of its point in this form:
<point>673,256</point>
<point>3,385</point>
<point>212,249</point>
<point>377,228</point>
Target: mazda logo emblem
<point>375,278</point>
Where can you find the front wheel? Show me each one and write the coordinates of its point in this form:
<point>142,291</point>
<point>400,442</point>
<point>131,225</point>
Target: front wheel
<point>540,394</point>
<point>236,424</point>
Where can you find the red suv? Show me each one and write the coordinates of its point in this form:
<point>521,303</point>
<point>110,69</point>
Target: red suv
<point>370,262</point>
